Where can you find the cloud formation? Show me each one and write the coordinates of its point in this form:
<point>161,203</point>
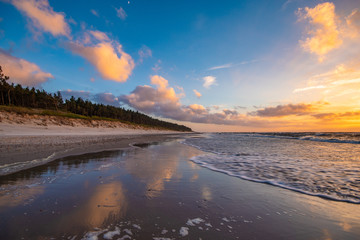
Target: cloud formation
<point>144,52</point>
<point>67,94</point>
<point>120,12</point>
<point>209,81</point>
<point>337,116</point>
<point>161,100</point>
<point>284,110</point>
<point>106,99</point>
<point>94,12</point>
<point>340,85</point>
<point>106,55</point>
<point>324,32</point>
<point>21,71</point>
<point>43,17</point>
<point>353,21</point>
<point>230,65</point>
<point>197,94</point>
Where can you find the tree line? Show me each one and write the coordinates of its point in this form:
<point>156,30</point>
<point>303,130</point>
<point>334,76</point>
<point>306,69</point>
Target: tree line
<point>16,95</point>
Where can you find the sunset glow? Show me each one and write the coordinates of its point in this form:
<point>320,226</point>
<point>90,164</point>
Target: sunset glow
<point>213,66</point>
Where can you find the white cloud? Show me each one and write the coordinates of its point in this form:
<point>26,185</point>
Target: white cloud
<point>209,81</point>
<point>228,65</point>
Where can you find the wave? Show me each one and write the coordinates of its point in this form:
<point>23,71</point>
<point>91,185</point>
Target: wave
<point>10,168</point>
<point>352,138</point>
<point>270,182</point>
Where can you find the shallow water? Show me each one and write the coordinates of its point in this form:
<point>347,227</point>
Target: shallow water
<point>325,165</point>
<point>155,192</point>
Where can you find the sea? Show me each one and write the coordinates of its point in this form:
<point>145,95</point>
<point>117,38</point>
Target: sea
<point>326,165</point>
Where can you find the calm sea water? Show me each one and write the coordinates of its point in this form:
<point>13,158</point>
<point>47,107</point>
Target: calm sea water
<point>320,164</point>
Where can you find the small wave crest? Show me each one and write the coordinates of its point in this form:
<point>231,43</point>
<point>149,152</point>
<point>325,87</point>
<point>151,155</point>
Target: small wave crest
<point>351,138</point>
<point>222,168</point>
<point>18,166</point>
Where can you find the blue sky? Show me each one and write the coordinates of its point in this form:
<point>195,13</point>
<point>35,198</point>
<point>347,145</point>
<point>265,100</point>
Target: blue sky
<point>254,65</point>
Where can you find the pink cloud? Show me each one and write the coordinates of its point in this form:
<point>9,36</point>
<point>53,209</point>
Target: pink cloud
<point>43,17</point>
<point>21,71</point>
<point>120,12</point>
<point>161,100</point>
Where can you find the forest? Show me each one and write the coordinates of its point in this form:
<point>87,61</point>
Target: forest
<point>16,95</point>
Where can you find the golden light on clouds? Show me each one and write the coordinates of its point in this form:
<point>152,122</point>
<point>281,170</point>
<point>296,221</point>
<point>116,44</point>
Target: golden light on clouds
<point>107,200</point>
<point>43,17</point>
<point>22,71</point>
<point>107,56</point>
<point>324,32</point>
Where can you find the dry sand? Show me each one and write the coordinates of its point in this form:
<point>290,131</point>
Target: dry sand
<point>40,139</point>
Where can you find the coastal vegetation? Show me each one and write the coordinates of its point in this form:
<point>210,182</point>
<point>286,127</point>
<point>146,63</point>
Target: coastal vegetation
<point>30,100</point>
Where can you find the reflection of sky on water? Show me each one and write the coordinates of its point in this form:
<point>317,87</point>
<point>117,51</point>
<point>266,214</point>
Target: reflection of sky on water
<point>107,201</point>
<point>94,190</point>
<point>156,165</point>
<point>21,196</point>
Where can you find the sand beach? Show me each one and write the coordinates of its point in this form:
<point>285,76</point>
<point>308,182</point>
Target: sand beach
<point>64,182</point>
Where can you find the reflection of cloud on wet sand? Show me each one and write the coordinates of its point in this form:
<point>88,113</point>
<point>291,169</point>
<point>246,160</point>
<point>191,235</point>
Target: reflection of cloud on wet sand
<point>206,193</point>
<point>108,201</point>
<point>12,200</point>
<point>156,166</point>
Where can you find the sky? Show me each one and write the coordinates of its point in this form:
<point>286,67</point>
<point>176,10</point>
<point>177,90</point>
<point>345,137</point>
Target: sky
<point>233,65</point>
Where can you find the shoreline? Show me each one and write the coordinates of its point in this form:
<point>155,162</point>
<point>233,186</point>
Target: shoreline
<point>25,143</point>
<point>136,194</point>
<point>22,152</point>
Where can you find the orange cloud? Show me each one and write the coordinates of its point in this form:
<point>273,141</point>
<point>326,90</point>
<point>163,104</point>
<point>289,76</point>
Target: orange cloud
<point>198,95</point>
<point>353,21</point>
<point>340,86</point>
<point>106,55</point>
<point>333,116</point>
<point>21,71</point>
<point>43,16</point>
<point>324,32</point>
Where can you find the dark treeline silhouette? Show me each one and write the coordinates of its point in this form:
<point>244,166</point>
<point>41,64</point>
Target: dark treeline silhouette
<point>17,95</point>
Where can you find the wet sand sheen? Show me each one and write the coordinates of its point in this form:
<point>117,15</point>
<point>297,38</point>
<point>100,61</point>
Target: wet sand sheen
<point>154,191</point>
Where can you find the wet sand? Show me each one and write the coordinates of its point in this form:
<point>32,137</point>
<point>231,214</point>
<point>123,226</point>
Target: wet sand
<point>155,192</point>
<point>22,151</point>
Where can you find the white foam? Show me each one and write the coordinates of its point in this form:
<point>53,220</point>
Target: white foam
<point>93,235</point>
<point>125,237</point>
<point>111,234</point>
<point>208,224</point>
<point>136,226</point>
<point>192,222</point>
<point>128,231</point>
<point>184,231</point>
